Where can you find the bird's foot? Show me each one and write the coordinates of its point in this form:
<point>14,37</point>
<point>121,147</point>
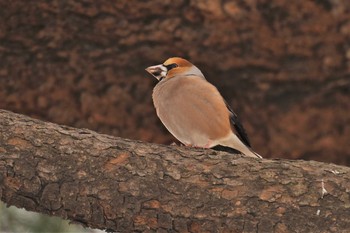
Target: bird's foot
<point>175,144</point>
<point>206,146</point>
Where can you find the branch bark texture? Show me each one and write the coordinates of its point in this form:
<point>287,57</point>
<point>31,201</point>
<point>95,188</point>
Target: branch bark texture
<point>123,185</point>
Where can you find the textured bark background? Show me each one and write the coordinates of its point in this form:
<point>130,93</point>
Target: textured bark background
<point>282,65</point>
<point>128,186</point>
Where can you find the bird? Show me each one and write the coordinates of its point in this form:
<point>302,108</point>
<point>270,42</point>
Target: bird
<point>193,110</point>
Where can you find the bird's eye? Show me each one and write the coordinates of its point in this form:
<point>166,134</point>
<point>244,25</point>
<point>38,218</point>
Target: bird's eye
<point>171,66</point>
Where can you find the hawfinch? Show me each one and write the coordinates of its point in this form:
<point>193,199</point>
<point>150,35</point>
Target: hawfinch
<point>193,110</point>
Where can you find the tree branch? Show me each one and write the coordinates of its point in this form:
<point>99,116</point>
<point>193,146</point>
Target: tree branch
<point>122,185</point>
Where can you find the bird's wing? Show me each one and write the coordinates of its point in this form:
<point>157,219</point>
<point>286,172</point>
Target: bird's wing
<point>237,127</point>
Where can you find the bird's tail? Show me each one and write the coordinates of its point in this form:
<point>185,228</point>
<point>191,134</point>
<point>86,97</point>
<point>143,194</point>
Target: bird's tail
<point>256,154</point>
<point>249,152</point>
<point>234,142</point>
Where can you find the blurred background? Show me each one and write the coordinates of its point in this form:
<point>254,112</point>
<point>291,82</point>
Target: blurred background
<point>283,66</point>
<point>18,220</point>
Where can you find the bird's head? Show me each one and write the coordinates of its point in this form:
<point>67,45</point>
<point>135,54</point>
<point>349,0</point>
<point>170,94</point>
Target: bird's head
<point>172,67</point>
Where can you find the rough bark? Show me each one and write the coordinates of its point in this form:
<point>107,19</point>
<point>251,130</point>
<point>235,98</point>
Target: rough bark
<point>123,185</point>
<point>282,65</point>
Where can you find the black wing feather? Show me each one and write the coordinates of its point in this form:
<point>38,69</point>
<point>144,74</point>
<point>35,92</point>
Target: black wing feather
<point>238,127</point>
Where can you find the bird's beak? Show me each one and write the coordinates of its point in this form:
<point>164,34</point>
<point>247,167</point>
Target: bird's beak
<point>158,71</point>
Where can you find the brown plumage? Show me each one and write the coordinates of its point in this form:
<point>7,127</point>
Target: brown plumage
<point>193,110</point>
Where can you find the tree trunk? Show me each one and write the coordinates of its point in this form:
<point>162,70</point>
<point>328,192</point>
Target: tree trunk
<point>122,185</point>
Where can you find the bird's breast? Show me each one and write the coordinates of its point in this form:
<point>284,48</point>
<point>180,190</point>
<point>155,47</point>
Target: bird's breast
<point>192,110</point>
